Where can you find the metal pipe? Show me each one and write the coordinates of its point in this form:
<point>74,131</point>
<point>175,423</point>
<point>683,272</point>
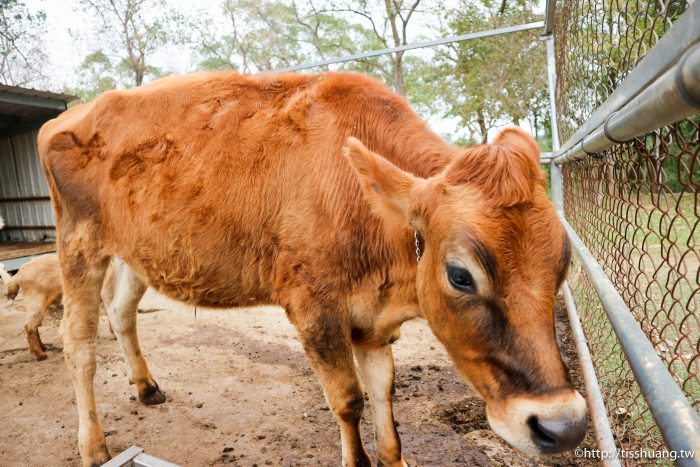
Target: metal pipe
<point>672,97</point>
<point>684,33</point>
<point>677,420</point>
<point>557,186</point>
<point>599,414</point>
<point>555,173</point>
<point>552,86</point>
<point>124,457</point>
<point>416,45</point>
<point>549,16</point>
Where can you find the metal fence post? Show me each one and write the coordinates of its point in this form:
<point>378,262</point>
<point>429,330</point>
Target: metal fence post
<point>596,405</point>
<point>555,170</point>
<point>552,84</point>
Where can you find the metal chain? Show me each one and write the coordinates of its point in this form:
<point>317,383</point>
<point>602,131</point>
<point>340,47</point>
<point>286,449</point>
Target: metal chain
<point>418,252</point>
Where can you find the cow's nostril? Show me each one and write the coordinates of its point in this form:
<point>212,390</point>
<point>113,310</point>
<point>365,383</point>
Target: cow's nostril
<point>541,438</point>
<point>553,436</point>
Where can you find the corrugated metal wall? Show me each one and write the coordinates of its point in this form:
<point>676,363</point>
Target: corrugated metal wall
<point>21,176</point>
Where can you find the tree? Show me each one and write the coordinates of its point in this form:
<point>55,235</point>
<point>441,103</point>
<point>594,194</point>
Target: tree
<point>132,30</point>
<point>496,79</point>
<point>97,75</point>
<point>22,54</point>
<point>254,36</point>
<point>266,35</point>
<point>269,34</point>
<point>389,22</point>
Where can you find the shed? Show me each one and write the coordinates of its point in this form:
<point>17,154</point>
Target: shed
<point>24,195</point>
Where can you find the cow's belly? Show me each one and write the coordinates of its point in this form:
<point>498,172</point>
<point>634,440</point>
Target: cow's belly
<point>217,263</point>
<point>228,280</point>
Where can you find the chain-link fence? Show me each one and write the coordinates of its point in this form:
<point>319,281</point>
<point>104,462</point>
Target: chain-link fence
<point>635,206</point>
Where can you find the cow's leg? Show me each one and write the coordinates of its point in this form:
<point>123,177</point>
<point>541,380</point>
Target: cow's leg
<point>377,371</point>
<point>122,311</point>
<point>325,334</point>
<point>38,305</point>
<point>83,267</point>
<point>107,296</point>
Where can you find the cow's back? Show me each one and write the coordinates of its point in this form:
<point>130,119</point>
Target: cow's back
<point>214,186</point>
<point>42,275</point>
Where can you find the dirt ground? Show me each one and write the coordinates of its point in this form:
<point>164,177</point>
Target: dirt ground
<point>240,392</point>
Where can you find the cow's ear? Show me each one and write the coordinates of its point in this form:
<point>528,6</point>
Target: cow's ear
<point>390,191</point>
<point>517,139</point>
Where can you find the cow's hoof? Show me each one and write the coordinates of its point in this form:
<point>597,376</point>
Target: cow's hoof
<point>98,463</point>
<point>394,463</point>
<point>152,395</point>
<point>98,459</point>
<point>39,356</point>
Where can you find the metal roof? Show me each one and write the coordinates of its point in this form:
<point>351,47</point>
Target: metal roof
<point>24,109</point>
<point>5,88</point>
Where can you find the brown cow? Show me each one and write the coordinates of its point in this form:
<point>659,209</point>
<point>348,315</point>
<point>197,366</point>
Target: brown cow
<point>316,185</point>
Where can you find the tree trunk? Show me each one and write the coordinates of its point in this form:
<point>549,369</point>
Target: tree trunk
<point>397,58</point>
<point>398,74</point>
<point>534,126</point>
<point>481,121</point>
<point>138,76</point>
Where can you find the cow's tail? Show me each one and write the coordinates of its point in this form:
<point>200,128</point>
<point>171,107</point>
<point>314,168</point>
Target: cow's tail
<point>11,286</point>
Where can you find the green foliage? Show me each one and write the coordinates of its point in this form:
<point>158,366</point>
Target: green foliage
<point>495,80</point>
<point>265,35</point>
<point>598,45</point>
<point>258,36</point>
<point>97,75</point>
<point>130,33</point>
<point>21,49</point>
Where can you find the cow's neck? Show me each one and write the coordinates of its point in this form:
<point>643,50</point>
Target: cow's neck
<point>387,296</point>
<point>393,285</point>
<point>411,146</point>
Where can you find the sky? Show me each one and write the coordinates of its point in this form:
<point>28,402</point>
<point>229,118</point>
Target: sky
<point>69,39</point>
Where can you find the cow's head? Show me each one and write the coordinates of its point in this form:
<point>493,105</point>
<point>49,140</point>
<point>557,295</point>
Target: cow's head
<point>494,256</point>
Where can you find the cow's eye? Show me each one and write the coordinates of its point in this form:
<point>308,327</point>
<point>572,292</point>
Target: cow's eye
<point>460,278</point>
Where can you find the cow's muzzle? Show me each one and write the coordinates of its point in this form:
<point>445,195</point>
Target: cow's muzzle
<point>546,424</point>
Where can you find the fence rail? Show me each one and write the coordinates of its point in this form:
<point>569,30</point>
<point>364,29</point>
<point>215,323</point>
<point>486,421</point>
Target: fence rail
<point>626,181</point>
<point>673,96</point>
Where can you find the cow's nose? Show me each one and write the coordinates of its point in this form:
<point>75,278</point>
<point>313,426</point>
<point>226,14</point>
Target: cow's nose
<point>557,435</point>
